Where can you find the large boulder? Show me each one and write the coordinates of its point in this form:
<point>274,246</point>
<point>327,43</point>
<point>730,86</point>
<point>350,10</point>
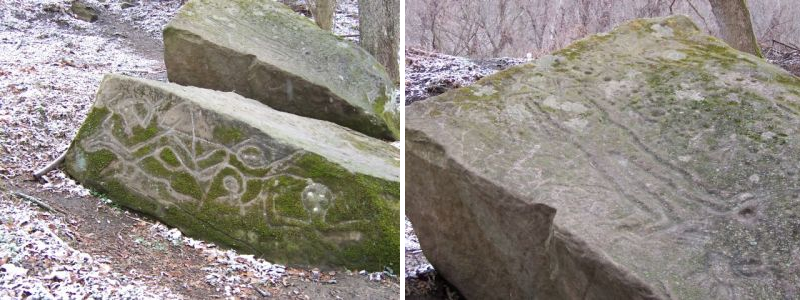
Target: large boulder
<point>265,51</point>
<point>652,162</point>
<point>231,170</point>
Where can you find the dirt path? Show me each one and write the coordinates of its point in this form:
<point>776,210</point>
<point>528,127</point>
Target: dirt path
<point>50,66</point>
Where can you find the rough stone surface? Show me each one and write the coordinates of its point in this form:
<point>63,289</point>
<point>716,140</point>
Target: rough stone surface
<point>650,162</point>
<point>264,51</point>
<point>83,12</point>
<point>229,169</point>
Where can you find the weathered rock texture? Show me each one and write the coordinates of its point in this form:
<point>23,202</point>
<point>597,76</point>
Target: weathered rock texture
<point>229,169</point>
<point>264,51</point>
<point>651,162</point>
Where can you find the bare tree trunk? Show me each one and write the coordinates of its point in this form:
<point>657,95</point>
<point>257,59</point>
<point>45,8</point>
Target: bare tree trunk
<point>735,27</point>
<point>323,11</point>
<point>379,23</point>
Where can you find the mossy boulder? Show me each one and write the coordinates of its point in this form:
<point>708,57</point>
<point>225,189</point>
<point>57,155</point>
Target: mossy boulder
<point>83,12</point>
<point>651,162</point>
<point>229,169</point>
<point>265,51</point>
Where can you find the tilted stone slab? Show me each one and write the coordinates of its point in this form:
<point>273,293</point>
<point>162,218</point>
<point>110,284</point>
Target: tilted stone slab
<point>265,51</point>
<point>652,162</point>
<point>231,170</point>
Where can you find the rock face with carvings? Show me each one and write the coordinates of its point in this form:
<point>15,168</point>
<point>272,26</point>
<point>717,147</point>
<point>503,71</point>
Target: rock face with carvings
<point>232,170</point>
<point>651,162</point>
<point>265,51</point>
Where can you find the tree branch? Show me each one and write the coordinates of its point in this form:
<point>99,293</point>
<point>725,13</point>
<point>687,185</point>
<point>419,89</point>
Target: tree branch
<point>60,159</point>
<point>38,202</point>
<point>699,15</point>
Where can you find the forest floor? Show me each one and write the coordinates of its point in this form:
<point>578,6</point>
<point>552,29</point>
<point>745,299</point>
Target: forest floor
<point>50,67</point>
<point>429,74</point>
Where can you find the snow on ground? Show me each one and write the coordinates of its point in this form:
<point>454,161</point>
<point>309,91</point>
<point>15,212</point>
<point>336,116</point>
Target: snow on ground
<point>50,67</point>
<point>786,58</point>
<point>345,21</point>
<point>150,16</point>
<point>35,263</point>
<point>228,271</point>
<point>429,74</point>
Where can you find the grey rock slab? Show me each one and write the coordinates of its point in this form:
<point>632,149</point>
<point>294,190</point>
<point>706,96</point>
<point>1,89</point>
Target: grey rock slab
<point>650,162</point>
<point>231,170</point>
<point>265,51</point>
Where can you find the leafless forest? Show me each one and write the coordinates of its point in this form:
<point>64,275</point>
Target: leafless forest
<point>493,28</point>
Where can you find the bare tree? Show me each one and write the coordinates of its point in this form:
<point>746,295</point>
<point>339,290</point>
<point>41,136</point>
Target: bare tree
<point>380,32</point>
<point>484,28</point>
<point>733,19</point>
<point>430,20</point>
<point>322,11</point>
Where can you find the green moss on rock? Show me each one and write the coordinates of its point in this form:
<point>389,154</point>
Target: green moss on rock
<point>202,178</point>
<point>97,161</point>
<point>257,172</point>
<point>253,189</point>
<point>228,135</point>
<point>169,157</point>
<point>154,167</point>
<point>360,197</point>
<point>138,133</point>
<point>213,160</point>
<point>287,201</point>
<point>93,122</point>
<point>218,188</point>
<point>143,151</point>
<point>185,183</point>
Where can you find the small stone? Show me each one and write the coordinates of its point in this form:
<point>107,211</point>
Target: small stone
<point>375,276</point>
<point>51,8</point>
<point>754,178</point>
<point>105,268</point>
<point>127,4</point>
<point>83,12</point>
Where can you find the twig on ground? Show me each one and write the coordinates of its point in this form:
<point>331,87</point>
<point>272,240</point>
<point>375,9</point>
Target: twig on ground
<point>127,215</point>
<point>262,292</point>
<point>785,45</point>
<point>349,35</point>
<point>38,202</point>
<point>119,236</point>
<point>39,173</point>
<point>137,71</point>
